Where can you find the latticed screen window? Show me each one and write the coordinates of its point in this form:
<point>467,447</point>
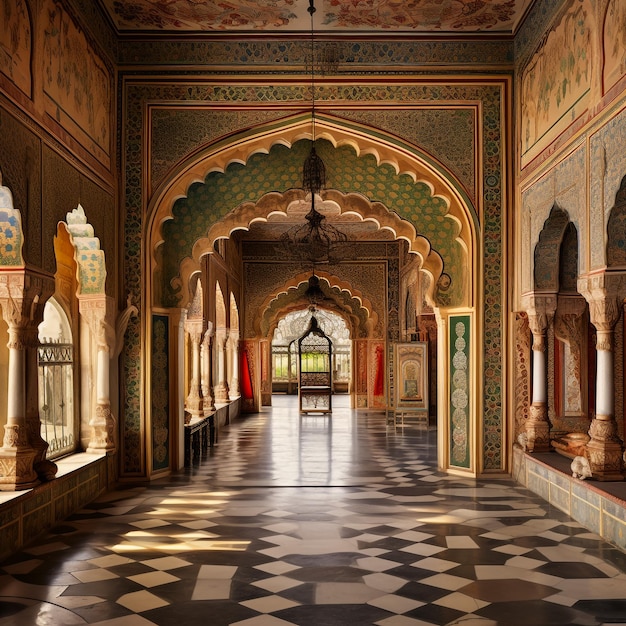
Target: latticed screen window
<point>284,364</point>
<point>56,410</point>
<point>55,360</point>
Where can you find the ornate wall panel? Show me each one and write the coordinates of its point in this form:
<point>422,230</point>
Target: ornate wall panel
<point>20,162</point>
<point>447,134</point>
<point>16,44</point>
<point>460,426</point>
<point>534,28</point>
<point>159,393</point>
<point>522,372</point>
<point>607,168</point>
<point>76,83</point>
<point>177,132</point>
<point>614,42</point>
<point>285,55</point>
<point>556,84</point>
<point>563,186</point>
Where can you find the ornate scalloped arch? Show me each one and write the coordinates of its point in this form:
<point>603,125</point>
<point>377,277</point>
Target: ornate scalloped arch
<point>386,149</point>
<point>350,304</point>
<point>352,203</point>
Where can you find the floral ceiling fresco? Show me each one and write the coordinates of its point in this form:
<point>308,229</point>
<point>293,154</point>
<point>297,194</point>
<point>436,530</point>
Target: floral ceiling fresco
<point>440,16</point>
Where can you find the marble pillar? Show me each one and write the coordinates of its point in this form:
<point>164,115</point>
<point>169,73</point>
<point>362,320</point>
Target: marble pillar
<point>604,293</point>
<point>540,308</point>
<point>99,312</point>
<point>23,294</point>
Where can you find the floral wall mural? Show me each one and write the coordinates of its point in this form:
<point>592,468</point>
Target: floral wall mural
<point>556,83</point>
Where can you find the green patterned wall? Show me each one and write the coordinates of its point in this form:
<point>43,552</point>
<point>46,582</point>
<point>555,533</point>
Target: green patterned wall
<point>460,389</point>
<point>281,170</point>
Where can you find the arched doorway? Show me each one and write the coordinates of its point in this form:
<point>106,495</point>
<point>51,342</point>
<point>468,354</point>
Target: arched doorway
<point>289,329</point>
<point>399,207</point>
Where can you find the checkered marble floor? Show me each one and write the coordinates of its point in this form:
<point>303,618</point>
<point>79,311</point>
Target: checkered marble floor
<point>317,520</point>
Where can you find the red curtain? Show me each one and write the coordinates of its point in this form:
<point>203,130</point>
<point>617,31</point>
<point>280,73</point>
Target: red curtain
<point>246,378</point>
<point>379,383</point>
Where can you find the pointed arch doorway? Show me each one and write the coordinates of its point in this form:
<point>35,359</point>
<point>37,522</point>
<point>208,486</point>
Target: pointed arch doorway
<point>405,211</point>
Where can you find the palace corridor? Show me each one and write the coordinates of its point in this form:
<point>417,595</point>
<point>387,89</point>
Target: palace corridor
<point>317,520</point>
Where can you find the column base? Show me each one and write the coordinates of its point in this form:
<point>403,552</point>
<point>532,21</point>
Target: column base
<point>16,469</point>
<point>538,429</point>
<point>605,450</point>
<point>194,407</point>
<point>221,394</point>
<point>102,429</point>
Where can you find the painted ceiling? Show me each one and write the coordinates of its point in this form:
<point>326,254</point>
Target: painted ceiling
<point>340,16</point>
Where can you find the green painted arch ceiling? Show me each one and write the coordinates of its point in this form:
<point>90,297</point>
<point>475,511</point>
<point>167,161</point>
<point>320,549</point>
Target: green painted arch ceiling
<point>280,170</point>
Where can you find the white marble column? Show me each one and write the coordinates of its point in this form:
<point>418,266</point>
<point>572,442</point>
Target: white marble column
<point>604,293</point>
<point>234,390</point>
<point>221,390</point>
<point>194,404</point>
<point>23,293</point>
<point>98,311</point>
<point>17,456</point>
<point>207,370</point>
<point>540,309</point>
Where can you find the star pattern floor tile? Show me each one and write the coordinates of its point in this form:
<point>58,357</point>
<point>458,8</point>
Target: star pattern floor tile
<point>332,520</point>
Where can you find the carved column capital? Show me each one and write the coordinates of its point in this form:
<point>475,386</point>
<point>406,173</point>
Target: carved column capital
<point>23,294</point>
<point>568,318</point>
<point>540,308</point>
<point>605,293</point>
<point>195,331</point>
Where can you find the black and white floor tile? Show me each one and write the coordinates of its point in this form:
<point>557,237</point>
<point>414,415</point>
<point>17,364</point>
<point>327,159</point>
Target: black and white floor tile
<point>317,520</point>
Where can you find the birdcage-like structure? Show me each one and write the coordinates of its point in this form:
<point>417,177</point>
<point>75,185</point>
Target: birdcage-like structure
<point>315,370</point>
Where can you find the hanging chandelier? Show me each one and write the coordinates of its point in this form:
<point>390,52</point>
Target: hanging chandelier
<point>316,240</point>
<point>314,293</point>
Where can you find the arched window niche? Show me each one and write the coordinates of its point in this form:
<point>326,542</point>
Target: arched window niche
<point>55,373</point>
